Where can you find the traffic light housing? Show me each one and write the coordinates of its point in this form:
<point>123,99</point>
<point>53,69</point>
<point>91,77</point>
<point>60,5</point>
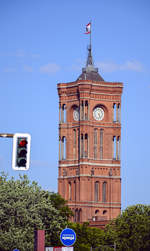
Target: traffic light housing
<point>21,151</point>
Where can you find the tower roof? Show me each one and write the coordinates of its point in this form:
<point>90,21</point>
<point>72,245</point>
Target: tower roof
<point>90,72</point>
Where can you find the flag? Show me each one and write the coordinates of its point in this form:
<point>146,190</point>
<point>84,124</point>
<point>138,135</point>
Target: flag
<point>88,28</point>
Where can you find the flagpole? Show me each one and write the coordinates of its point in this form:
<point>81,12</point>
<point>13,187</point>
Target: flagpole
<point>90,35</point>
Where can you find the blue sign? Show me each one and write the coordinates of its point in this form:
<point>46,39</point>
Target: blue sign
<point>68,237</point>
<point>16,250</point>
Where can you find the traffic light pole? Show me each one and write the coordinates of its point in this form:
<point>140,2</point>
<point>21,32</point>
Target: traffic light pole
<point>6,135</point>
<point>21,150</point>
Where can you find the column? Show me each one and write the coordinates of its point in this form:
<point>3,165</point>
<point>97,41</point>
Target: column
<point>59,148</point>
<point>62,114</point>
<point>62,148</point>
<point>59,113</point>
<point>88,110</point>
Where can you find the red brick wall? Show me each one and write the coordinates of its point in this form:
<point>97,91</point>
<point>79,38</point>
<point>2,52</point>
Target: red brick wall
<point>76,169</point>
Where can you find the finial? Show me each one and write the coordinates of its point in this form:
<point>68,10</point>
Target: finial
<point>89,59</point>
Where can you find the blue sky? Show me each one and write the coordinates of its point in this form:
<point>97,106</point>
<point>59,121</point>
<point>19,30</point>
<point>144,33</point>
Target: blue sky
<point>41,44</point>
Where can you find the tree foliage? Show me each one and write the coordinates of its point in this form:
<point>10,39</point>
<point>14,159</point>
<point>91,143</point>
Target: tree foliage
<point>131,230</point>
<point>87,237</point>
<point>24,207</point>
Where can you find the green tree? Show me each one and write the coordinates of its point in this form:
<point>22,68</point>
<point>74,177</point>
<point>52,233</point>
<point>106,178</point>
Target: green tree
<point>24,207</point>
<point>131,230</point>
<point>87,237</point>
<point>60,204</point>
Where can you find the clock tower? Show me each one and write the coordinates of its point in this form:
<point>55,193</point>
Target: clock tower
<point>89,146</point>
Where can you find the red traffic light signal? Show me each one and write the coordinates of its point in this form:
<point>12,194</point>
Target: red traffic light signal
<point>21,151</point>
<point>23,143</point>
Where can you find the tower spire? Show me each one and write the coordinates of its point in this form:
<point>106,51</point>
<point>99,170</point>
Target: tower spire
<point>90,72</point>
<point>89,61</point>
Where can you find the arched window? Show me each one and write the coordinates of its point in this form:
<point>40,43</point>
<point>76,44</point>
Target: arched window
<point>114,112</point>
<point>118,147</point>
<point>60,113</point>
<point>105,212</point>
<point>60,156</point>
<point>63,114</point>
<point>86,110</point>
<point>63,148</point>
<point>104,191</point>
<point>70,192</point>
<point>86,146</point>
<point>82,110</point>
<point>119,113</point>
<point>96,191</point>
<point>96,211</point>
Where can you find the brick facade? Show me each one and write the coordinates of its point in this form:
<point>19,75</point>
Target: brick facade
<point>89,149</point>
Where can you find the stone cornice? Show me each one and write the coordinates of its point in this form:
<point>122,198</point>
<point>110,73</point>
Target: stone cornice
<point>90,164</point>
<point>89,175</point>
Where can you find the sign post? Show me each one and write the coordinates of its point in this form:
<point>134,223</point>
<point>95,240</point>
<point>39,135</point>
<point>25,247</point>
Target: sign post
<point>68,237</point>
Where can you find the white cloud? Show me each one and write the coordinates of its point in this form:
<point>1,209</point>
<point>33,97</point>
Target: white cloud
<point>49,68</point>
<point>127,66</point>
<point>132,66</point>
<point>28,68</point>
<point>107,66</point>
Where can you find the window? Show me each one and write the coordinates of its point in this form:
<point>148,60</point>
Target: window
<point>86,110</point>
<point>78,214</point>
<point>82,110</point>
<point>86,146</point>
<point>63,148</point>
<point>63,113</point>
<point>119,114</point>
<point>60,148</point>
<point>70,191</point>
<point>82,146</point>
<point>96,191</point>
<point>104,191</point>
<point>118,147</point>
<point>115,113</point>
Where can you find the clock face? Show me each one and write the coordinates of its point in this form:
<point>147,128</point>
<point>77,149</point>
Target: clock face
<point>98,113</point>
<point>76,114</point>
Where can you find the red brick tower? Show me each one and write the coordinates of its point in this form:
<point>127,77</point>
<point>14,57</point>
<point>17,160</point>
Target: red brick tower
<point>89,146</point>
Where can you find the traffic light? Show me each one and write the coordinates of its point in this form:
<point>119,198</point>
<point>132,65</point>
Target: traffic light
<point>21,151</point>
